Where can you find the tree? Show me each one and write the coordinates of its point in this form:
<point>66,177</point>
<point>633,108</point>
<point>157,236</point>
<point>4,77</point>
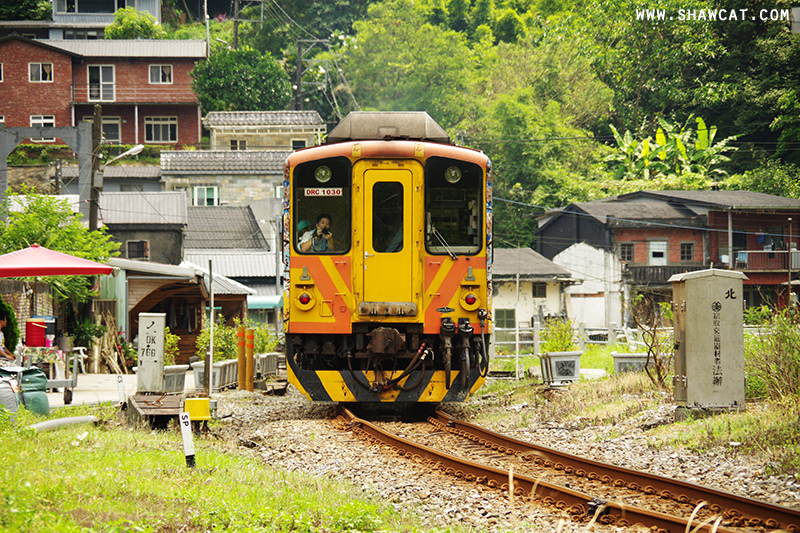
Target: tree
<point>402,63</point>
<point>26,10</point>
<point>50,222</point>
<point>241,80</point>
<point>132,24</point>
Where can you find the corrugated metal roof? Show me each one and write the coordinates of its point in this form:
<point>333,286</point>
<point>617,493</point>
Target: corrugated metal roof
<point>143,207</point>
<point>635,210</point>
<point>122,171</point>
<point>235,263</point>
<point>259,162</point>
<point>508,262</point>
<point>262,118</point>
<point>190,49</point>
<point>223,227</point>
<point>222,284</point>
<point>721,199</point>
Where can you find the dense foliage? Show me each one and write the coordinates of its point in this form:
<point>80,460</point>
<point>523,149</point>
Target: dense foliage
<point>26,10</point>
<point>132,24</point>
<point>241,80</point>
<point>49,221</point>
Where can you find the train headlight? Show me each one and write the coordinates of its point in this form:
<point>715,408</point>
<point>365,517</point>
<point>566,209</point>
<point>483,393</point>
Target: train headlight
<point>452,174</point>
<point>470,301</point>
<point>304,301</point>
<point>323,174</point>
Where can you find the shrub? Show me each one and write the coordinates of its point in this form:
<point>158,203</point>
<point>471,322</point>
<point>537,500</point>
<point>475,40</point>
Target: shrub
<point>226,341</point>
<point>170,347</point>
<point>11,331</point>
<point>557,336</point>
<point>772,358</point>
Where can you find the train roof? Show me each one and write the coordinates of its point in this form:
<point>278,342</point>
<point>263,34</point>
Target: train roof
<point>377,125</point>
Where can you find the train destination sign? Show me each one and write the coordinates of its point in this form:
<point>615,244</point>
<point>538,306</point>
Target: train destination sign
<point>324,191</point>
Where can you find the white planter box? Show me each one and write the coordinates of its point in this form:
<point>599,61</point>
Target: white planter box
<point>561,368</point>
<point>174,377</point>
<point>225,374</point>
<point>629,362</point>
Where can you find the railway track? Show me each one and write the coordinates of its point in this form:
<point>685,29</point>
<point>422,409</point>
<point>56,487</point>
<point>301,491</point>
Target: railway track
<point>585,489</point>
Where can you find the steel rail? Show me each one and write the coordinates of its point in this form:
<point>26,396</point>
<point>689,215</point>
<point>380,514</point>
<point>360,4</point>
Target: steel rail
<point>743,511</point>
<point>577,504</point>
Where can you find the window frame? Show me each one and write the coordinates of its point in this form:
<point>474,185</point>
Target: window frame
<point>160,66</point>
<point>41,65</point>
<point>626,250</point>
<point>160,121</point>
<point>238,145</point>
<point>501,322</point>
<point>101,84</point>
<point>683,256</point>
<point>146,247</point>
<point>298,147</point>
<point>1,73</point>
<point>214,199</point>
<point>45,123</point>
<point>539,290</point>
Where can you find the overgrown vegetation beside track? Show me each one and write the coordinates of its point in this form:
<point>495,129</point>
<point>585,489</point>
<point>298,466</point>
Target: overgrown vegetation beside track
<point>112,478</point>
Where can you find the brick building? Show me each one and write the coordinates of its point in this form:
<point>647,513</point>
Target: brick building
<point>651,235</point>
<point>143,86</point>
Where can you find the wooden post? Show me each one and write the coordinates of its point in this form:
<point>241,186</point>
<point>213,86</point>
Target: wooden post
<point>242,358</point>
<point>249,348</point>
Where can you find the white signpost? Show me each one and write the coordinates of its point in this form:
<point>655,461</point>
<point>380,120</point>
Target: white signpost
<point>150,374</point>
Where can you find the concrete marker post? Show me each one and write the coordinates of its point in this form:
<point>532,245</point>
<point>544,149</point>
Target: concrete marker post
<point>188,441</point>
<point>242,360</point>
<point>249,349</point>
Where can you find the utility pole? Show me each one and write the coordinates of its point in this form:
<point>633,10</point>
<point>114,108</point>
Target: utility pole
<point>298,83</point>
<point>235,24</point>
<point>94,191</point>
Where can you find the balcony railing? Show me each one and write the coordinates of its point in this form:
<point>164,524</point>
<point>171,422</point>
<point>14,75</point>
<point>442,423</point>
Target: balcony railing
<point>765,260</point>
<point>656,275</point>
<point>121,94</point>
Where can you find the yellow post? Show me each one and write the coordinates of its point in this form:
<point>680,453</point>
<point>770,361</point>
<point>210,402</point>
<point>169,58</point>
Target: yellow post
<point>250,348</point>
<point>242,368</point>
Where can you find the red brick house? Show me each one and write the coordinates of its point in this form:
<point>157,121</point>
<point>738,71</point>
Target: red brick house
<point>143,86</point>
<point>655,234</point>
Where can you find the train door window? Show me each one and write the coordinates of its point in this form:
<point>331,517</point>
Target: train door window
<point>387,217</point>
<point>453,207</point>
<point>321,189</point>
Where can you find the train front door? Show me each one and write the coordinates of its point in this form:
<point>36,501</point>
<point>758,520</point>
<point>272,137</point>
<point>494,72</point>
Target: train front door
<point>388,235</point>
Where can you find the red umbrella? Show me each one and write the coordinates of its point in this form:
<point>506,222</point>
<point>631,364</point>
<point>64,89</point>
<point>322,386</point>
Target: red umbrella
<point>39,261</point>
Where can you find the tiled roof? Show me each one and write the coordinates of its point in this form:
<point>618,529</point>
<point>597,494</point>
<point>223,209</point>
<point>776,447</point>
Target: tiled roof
<point>262,118</point>
<point>118,172</point>
<point>635,210</point>
<point>223,161</point>
<point>190,49</point>
<point>236,263</point>
<point>508,262</point>
<point>143,207</point>
<point>223,227</point>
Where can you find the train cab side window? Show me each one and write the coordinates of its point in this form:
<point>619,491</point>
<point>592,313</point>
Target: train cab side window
<point>321,199</point>
<point>453,207</point>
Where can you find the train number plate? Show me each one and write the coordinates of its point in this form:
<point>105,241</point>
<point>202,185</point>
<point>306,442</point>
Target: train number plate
<point>324,191</point>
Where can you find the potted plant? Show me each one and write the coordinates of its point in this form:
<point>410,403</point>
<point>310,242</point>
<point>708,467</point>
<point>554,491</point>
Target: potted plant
<point>560,358</point>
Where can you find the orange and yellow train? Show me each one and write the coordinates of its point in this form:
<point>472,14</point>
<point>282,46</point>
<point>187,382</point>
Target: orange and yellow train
<point>387,255</point>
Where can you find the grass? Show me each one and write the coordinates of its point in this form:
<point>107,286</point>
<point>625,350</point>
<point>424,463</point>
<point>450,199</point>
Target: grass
<point>110,477</point>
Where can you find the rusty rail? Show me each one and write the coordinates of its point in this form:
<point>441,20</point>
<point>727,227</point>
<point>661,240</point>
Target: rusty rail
<point>577,504</point>
<point>742,511</point>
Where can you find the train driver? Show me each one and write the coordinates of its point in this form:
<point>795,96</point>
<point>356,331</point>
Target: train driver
<point>319,237</point>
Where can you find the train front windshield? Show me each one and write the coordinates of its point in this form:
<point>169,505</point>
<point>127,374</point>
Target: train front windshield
<point>322,196</point>
<point>453,207</point>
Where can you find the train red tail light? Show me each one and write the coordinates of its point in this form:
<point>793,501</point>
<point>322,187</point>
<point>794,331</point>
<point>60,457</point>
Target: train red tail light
<point>304,298</point>
<point>471,299</point>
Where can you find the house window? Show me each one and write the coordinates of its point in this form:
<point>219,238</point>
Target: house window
<point>2,120</point>
<point>161,129</point>
<point>138,250</point>
<point>687,251</point>
<point>40,72</point>
<point>84,35</point>
<point>205,196</point>
<point>43,121</point>
<point>238,145</point>
<point>66,6</point>
<point>505,318</point>
<point>1,72</point>
<point>101,83</point>
<point>540,290</point>
<point>626,252</point>
<point>131,187</point>
<point>298,144</point>
<point>112,128</point>
<point>160,73</point>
